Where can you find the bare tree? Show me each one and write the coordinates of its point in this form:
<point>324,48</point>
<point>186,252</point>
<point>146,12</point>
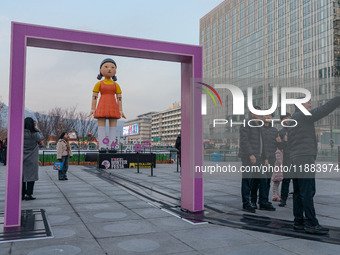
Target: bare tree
<point>63,120</point>
<point>85,125</point>
<point>43,121</point>
<point>59,120</point>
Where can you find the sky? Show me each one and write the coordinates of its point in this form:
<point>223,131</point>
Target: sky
<point>66,79</point>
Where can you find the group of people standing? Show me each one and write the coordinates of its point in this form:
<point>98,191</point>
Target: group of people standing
<point>32,139</point>
<point>296,145</point>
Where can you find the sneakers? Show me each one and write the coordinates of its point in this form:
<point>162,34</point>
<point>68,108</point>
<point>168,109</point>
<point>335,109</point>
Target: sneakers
<point>316,230</point>
<point>29,198</point>
<point>282,203</point>
<point>299,226</point>
<point>249,208</point>
<point>267,207</point>
<point>254,205</point>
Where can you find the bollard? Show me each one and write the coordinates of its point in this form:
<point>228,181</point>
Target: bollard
<point>338,156</point>
<point>78,157</point>
<point>137,162</point>
<point>43,163</point>
<point>151,170</point>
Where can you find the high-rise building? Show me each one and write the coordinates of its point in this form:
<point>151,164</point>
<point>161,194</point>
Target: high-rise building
<point>268,42</point>
<point>166,125</point>
<point>138,129</point>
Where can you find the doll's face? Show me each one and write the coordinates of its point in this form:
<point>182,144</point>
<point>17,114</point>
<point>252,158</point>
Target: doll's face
<point>108,70</point>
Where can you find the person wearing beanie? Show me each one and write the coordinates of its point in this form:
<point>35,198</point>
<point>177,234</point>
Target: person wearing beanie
<point>110,102</point>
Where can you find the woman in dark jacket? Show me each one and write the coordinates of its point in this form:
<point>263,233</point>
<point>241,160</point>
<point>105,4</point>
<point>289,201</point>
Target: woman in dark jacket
<point>32,138</point>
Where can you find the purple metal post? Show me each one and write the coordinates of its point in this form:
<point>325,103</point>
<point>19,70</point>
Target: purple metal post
<point>189,56</point>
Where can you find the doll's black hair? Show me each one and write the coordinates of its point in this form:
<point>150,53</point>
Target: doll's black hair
<point>107,60</point>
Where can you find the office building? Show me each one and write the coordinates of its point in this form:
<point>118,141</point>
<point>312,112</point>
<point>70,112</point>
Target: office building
<point>270,43</point>
<point>166,125</point>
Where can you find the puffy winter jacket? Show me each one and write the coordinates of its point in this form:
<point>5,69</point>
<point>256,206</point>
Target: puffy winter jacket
<point>269,135</point>
<point>302,138</point>
<point>249,141</point>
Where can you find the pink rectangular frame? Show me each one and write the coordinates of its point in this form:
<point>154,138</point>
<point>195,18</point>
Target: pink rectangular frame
<point>189,56</point>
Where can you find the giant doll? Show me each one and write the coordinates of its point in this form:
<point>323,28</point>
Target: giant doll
<point>110,102</point>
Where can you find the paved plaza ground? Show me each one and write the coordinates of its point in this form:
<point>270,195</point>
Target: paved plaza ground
<point>90,215</point>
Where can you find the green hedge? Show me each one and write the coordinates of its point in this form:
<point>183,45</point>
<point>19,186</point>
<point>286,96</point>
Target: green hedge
<point>162,157</point>
<point>53,158</point>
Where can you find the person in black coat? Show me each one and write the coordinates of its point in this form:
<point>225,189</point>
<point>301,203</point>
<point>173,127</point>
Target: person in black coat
<point>286,160</point>
<point>4,152</point>
<point>250,151</point>
<point>302,144</point>
<point>178,147</point>
<point>269,138</point>
<point>0,151</point>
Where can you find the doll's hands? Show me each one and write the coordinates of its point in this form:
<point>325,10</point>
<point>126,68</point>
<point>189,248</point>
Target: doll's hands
<point>122,114</point>
<point>91,113</point>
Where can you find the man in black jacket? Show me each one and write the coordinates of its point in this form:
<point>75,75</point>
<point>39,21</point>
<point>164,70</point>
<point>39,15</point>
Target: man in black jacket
<point>250,151</point>
<point>302,144</point>
<point>178,147</point>
<point>286,159</point>
<point>269,136</point>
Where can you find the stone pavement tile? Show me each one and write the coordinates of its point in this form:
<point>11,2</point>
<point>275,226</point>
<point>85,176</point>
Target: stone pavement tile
<point>74,232</point>
<point>328,211</point>
<point>256,249</point>
<point>145,244</point>
<point>173,223</point>
<point>98,206</point>
<point>83,193</point>
<point>83,188</point>
<point>69,246</point>
<point>327,200</point>
<point>264,236</point>
<point>5,248</point>
<point>213,237</point>
<point>327,221</point>
<point>121,228</point>
<point>89,199</point>
<point>65,184</point>
<point>124,198</point>
<point>187,253</point>
<point>153,212</point>
<point>136,204</point>
<point>57,209</point>
<point>47,194</point>
<point>112,191</point>
<point>62,218</point>
<point>41,202</point>
<point>108,215</point>
<point>301,246</point>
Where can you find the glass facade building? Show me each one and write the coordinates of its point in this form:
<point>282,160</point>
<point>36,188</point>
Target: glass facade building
<point>269,42</point>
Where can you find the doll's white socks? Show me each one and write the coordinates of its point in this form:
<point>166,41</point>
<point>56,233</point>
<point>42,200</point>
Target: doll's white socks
<point>112,135</point>
<point>101,136</point>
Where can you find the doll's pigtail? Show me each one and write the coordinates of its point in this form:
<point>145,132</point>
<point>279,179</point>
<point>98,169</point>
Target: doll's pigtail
<point>100,76</point>
<point>114,78</point>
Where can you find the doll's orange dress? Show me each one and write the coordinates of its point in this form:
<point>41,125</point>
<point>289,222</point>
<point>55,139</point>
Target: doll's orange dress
<point>107,106</point>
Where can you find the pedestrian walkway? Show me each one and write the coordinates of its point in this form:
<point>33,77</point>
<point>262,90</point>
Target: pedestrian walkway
<point>90,215</point>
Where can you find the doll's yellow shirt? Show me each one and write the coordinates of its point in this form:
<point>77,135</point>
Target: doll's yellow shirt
<point>106,81</point>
